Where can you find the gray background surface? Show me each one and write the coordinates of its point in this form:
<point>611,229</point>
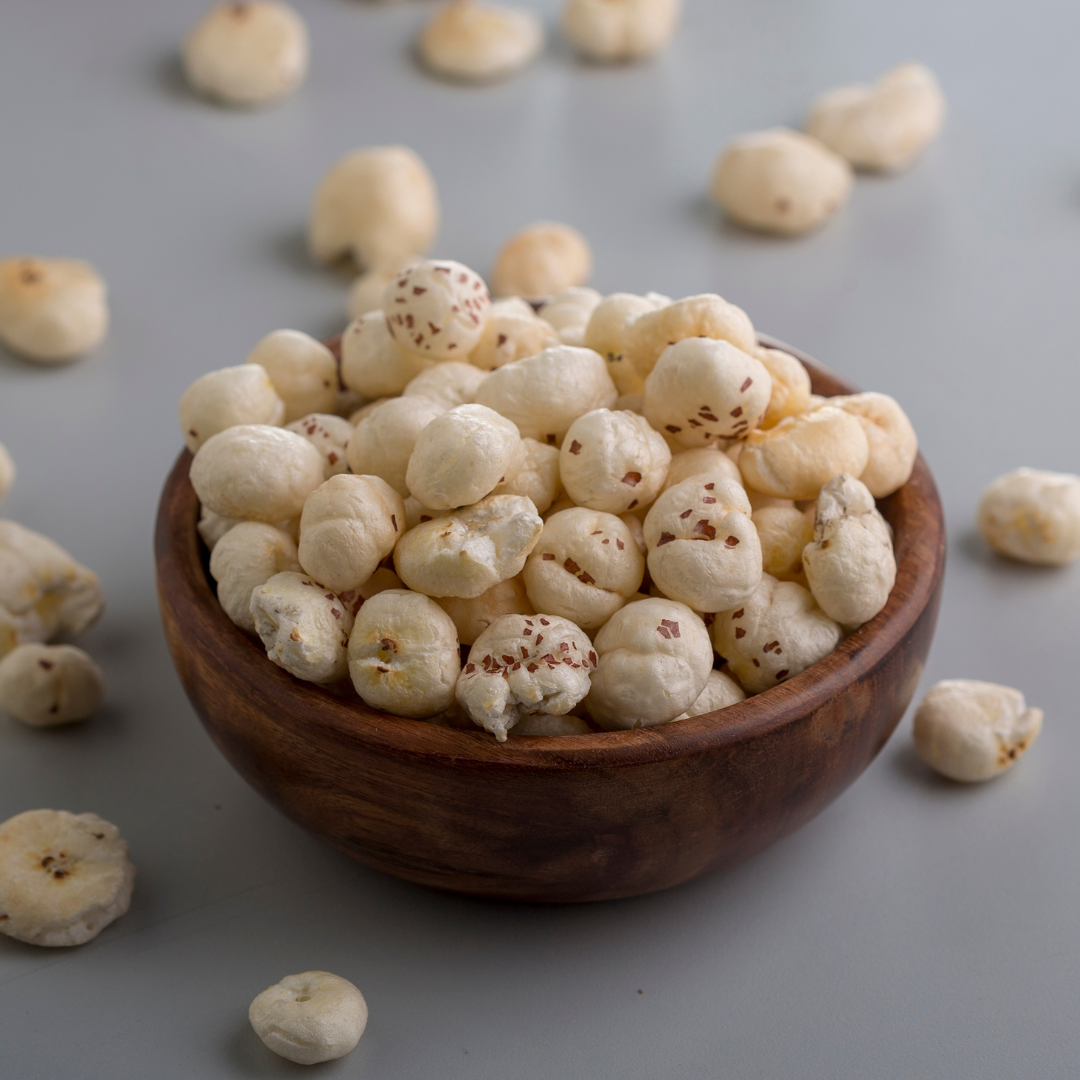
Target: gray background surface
<point>915,929</point>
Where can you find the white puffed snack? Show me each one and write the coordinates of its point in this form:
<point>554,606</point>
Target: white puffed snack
<point>378,205</point>
<point>774,635</point>
<point>212,527</point>
<point>46,685</point>
<point>1033,516</point>
<point>462,456</point>
<point>7,472</point>
<point>303,371</point>
<point>784,532</point>
<point>971,731</point>
<point>612,31</point>
<point>51,310</point>
<point>655,659</point>
<point>310,1018</point>
<point>468,551</point>
<point>475,42</point>
<point>704,316</point>
<point>437,309</point>
<point>473,617</point>
<point>227,398</point>
<point>349,525</point>
<point>513,332</point>
<point>384,440</point>
<point>541,260</point>
<point>795,459</point>
<point>780,181</point>
<point>704,459</point>
<point>256,472</point>
<point>63,877</point>
<point>304,628</point>
<point>701,390</point>
<point>524,664</point>
<point>44,592</point>
<point>247,53</point>
<point>368,288</point>
<point>703,548</point>
<point>449,384</point>
<point>329,435</point>
<point>585,567</point>
<point>538,478</point>
<point>790,385</point>
<point>891,438</point>
<point>544,394</point>
<point>403,654</point>
<point>372,362</point>
<point>850,564</point>
<point>248,556</point>
<point>613,461</point>
<point>544,725</point>
<point>881,127</point>
<point>720,691</point>
<point>569,313</point>
<point>606,332</point>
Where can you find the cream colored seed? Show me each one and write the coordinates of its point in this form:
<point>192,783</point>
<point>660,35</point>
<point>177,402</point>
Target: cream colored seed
<point>1033,516</point>
<point>606,334</point>
<point>303,371</point>
<point>720,691</point>
<point>513,332</point>
<point>569,312</point>
<point>248,556</point>
<point>449,384</point>
<point>790,385</point>
<point>477,42</point>
<point>227,398</point>
<point>373,363</point>
<point>784,533</point>
<point>47,685</point>
<point>613,31</point>
<point>329,435</point>
<point>538,478</point>
<point>704,459</point>
<point>892,441</point>
<point>542,260</point>
<point>383,441</point>
<point>473,617</point>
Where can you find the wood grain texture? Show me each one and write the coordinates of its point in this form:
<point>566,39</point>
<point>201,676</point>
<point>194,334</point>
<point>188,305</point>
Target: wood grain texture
<point>577,818</point>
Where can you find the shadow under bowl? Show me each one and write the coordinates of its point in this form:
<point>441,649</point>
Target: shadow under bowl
<point>566,819</point>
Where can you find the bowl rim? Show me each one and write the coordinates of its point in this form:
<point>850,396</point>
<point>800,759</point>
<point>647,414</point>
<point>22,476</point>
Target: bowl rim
<point>184,582</point>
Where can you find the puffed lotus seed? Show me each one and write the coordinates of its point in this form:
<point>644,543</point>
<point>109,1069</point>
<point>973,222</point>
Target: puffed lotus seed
<point>44,592</point>
<point>304,628</point>
<point>542,260</point>
<point>544,394</point>
<point>790,385</point>
<point>891,438</point>
<point>544,725</point>
<point>51,310</point>
<point>703,548</point>
<point>63,877</point>
<point>303,371</point>
<point>449,384</point>
<point>525,664</point>
<point>310,1017</point>
<point>248,556</point>
<point>513,332</point>
<point>373,363</point>
<point>477,42</point>
<point>655,659</point>
<point>614,31</point>
<point>1033,516</point>
<point>780,181</point>
<point>329,435</point>
<point>368,288</point>
<point>247,53</point>
<point>850,564</point>
<point>383,441</point>
<point>256,472</point>
<point>720,691</point>
<point>784,532</point>
<point>704,459</point>
<point>538,478</point>
<point>228,398</point>
<point>473,617</point>
<point>349,525</point>
<point>585,566</point>
<point>971,731</point>
<point>795,459</point>
<point>403,654</point>
<point>437,309</point>
<point>212,527</point>
<point>704,316</point>
<point>774,635</point>
<point>378,205</point>
<point>47,685</point>
<point>606,332</point>
<point>466,552</point>
<point>462,456</point>
<point>569,312</point>
<point>7,472</point>
<point>881,127</point>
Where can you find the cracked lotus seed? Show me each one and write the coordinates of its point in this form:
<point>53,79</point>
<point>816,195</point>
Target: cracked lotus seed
<point>542,260</point>
<point>47,685</point>
<point>476,42</point>
<point>311,1017</point>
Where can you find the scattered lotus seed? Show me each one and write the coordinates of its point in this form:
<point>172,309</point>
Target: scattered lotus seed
<point>542,260</point>
<point>477,42</point>
<point>613,31</point>
<point>1033,516</point>
<point>47,685</point>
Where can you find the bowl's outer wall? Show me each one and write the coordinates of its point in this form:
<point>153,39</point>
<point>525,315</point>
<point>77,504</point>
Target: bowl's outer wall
<point>571,819</point>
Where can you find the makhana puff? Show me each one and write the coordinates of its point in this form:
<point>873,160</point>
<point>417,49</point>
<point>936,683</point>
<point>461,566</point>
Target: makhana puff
<point>228,398</point>
<point>474,41</point>
<point>1033,516</point>
<point>248,556</point>
<point>303,371</point>
<point>47,685</point>
<point>63,877</point>
<point>612,31</point>
<point>542,260</point>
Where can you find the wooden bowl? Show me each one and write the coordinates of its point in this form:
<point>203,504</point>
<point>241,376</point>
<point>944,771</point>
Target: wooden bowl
<point>574,818</point>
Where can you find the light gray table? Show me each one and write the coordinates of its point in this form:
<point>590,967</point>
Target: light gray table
<point>916,929</point>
